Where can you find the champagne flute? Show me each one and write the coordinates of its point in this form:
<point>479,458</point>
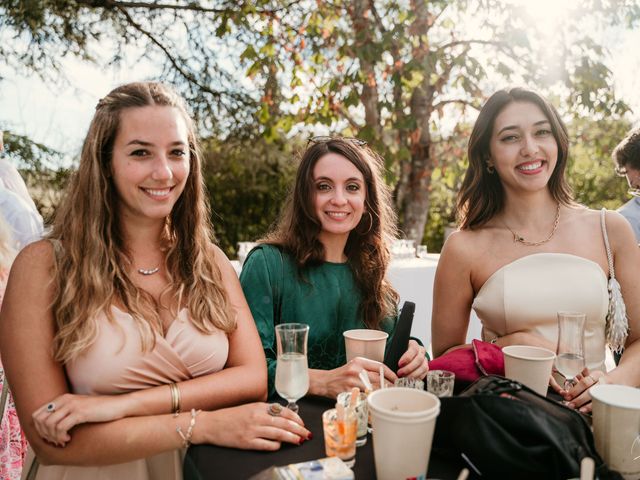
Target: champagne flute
<point>292,373</point>
<point>570,351</point>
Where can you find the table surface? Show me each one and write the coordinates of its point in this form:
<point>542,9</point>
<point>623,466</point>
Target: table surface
<point>208,461</point>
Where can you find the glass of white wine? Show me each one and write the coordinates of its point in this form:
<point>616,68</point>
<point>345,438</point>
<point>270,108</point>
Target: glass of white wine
<point>292,372</point>
<point>570,351</point>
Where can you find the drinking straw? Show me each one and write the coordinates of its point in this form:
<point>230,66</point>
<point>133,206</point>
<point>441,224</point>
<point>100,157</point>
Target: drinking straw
<point>364,378</point>
<point>587,467</point>
<point>355,394</point>
<point>464,473</point>
<point>381,377</point>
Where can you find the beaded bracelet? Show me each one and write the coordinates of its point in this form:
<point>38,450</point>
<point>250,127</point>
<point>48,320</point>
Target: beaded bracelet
<point>186,439</point>
<point>175,398</point>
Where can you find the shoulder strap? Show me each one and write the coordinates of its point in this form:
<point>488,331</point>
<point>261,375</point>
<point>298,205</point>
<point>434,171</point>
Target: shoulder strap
<point>603,225</point>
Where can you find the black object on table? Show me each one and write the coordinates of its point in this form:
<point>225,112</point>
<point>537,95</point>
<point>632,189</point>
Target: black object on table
<point>204,462</point>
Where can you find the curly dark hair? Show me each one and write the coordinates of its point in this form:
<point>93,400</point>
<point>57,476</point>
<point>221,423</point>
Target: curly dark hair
<point>367,247</point>
<point>627,152</point>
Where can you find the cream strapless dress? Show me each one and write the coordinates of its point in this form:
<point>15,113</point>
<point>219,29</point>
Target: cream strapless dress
<point>115,364</point>
<point>526,294</point>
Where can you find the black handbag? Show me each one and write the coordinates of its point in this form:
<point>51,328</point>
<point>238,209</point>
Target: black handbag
<point>503,429</point>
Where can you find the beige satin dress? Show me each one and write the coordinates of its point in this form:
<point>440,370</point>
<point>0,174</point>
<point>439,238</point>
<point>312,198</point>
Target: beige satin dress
<point>526,294</point>
<point>115,364</point>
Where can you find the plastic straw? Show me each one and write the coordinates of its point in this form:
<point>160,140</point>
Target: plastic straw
<point>464,473</point>
<point>587,468</point>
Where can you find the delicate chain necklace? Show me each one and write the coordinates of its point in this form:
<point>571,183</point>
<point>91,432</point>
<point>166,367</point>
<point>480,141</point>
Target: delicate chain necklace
<point>519,239</point>
<point>150,271</point>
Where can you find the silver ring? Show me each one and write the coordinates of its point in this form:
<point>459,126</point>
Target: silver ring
<point>51,407</point>
<point>274,409</point>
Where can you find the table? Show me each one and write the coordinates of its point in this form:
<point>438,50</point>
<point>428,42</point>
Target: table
<point>208,461</point>
<point>413,279</point>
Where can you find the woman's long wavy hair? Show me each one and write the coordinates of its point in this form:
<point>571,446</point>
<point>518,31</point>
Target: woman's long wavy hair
<point>92,260</point>
<point>481,195</point>
<point>367,247</point>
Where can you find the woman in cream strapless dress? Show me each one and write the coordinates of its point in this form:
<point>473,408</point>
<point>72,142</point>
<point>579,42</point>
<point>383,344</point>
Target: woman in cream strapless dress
<point>125,335</point>
<point>525,250</point>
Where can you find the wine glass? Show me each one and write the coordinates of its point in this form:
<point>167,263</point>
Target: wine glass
<point>570,351</point>
<point>292,373</point>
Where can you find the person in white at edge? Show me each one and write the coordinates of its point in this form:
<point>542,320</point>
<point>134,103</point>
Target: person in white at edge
<point>16,205</point>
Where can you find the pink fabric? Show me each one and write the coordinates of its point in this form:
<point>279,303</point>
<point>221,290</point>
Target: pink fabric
<point>13,443</point>
<point>183,353</point>
<point>470,363</point>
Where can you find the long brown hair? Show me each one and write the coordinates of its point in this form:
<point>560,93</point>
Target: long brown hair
<point>367,247</point>
<point>92,258</point>
<point>481,195</point>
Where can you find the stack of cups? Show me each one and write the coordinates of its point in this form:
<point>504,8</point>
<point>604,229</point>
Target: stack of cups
<point>403,421</point>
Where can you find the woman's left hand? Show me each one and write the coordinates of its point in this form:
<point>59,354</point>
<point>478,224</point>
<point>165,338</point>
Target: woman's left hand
<point>413,363</point>
<point>578,395</point>
<point>54,420</point>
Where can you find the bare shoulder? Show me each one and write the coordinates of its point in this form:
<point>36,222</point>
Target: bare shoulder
<point>464,245</point>
<point>619,231</point>
<point>223,263</point>
<point>37,259</point>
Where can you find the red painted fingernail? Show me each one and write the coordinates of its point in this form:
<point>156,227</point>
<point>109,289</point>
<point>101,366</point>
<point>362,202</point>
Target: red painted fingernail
<point>301,441</point>
<point>310,436</point>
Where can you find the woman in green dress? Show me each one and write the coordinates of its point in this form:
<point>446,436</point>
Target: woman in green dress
<point>325,264</point>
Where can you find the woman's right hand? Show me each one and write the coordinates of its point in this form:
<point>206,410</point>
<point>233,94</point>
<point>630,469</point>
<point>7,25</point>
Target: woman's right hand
<point>329,383</point>
<point>250,427</point>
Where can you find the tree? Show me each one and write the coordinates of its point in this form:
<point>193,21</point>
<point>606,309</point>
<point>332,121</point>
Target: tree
<point>393,72</point>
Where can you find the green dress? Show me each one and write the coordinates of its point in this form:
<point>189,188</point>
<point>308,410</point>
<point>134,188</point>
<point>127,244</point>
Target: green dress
<point>326,298</point>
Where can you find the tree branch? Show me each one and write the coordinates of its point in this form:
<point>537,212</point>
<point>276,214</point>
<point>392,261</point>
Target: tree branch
<point>460,101</point>
<point>193,7</point>
<point>188,76</point>
<point>469,43</point>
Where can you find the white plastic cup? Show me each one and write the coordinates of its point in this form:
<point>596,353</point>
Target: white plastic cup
<point>616,427</point>
<point>529,365</point>
<point>366,343</point>
<point>403,420</point>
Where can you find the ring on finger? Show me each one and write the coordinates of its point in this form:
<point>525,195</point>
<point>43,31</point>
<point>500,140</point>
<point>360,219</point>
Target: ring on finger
<point>51,407</point>
<point>274,409</point>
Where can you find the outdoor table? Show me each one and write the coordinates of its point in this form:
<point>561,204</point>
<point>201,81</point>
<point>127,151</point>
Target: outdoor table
<point>211,462</point>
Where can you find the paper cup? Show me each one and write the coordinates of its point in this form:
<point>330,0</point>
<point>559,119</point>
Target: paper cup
<point>365,343</point>
<point>616,427</point>
<point>403,421</point>
<point>529,365</point>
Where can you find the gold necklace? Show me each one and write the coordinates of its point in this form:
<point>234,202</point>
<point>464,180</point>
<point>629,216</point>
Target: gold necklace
<point>520,239</point>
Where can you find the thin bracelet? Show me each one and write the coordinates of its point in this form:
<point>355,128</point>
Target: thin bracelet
<point>186,439</point>
<point>175,398</point>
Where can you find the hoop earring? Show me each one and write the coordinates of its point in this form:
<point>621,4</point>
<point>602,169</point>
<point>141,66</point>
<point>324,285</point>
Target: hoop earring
<point>370,224</point>
<point>490,169</point>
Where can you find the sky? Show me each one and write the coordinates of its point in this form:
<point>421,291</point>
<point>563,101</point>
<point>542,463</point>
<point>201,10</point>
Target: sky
<point>59,116</point>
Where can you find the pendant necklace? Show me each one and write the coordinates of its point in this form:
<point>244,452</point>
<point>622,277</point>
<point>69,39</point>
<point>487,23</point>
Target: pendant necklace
<point>150,271</point>
<point>520,239</point>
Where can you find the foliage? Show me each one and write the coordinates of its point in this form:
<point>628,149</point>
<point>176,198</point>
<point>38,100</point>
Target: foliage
<point>247,180</point>
<point>391,72</point>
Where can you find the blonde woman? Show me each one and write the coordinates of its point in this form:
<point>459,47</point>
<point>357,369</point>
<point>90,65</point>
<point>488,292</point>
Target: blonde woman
<point>125,335</point>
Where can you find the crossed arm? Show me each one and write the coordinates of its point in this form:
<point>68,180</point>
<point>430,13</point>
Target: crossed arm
<point>139,424</point>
